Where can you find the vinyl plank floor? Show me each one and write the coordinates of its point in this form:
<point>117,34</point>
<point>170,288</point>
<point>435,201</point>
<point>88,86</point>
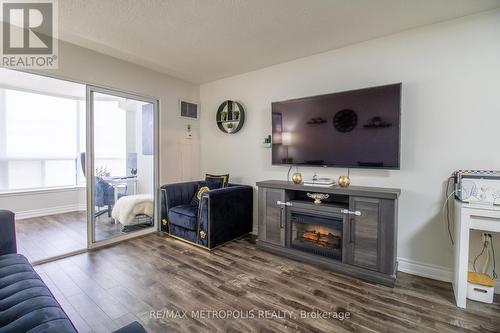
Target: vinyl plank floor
<point>143,278</point>
<point>43,237</point>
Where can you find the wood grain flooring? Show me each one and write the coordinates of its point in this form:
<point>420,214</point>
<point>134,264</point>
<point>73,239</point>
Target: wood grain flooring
<point>108,288</point>
<point>48,236</point>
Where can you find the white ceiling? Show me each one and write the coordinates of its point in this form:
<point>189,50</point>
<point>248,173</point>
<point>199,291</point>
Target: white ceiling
<point>204,40</point>
<point>34,83</point>
<point>11,79</point>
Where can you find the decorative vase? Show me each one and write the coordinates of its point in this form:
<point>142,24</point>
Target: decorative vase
<point>297,178</point>
<point>344,181</point>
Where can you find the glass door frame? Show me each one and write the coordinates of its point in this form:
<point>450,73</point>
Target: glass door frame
<point>89,164</point>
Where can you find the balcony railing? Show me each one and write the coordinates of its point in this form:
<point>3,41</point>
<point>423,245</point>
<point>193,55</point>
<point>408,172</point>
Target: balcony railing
<point>23,173</point>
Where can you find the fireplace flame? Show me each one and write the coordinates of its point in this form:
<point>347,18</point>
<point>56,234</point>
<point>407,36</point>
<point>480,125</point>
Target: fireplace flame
<point>322,235</point>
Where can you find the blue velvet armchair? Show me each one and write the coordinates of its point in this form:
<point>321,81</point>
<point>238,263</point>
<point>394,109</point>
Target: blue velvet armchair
<point>221,215</point>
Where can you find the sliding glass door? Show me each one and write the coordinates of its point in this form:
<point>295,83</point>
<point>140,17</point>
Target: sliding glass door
<point>122,162</point>
<point>78,164</point>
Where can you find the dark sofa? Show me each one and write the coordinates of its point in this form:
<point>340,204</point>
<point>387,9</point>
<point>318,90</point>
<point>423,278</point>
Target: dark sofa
<point>222,214</point>
<point>26,304</point>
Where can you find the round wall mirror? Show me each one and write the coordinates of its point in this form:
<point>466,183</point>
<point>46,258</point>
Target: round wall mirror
<point>230,117</point>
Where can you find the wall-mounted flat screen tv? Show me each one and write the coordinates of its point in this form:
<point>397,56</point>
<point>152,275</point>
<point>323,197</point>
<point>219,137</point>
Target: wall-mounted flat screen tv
<point>352,129</point>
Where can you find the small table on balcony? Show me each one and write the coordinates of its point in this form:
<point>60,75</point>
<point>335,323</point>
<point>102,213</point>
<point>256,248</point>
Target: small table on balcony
<point>129,182</point>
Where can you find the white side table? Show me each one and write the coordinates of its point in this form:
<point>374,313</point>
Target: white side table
<point>467,217</point>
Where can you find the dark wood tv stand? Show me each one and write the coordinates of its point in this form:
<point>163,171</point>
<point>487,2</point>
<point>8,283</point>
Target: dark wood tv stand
<point>353,232</point>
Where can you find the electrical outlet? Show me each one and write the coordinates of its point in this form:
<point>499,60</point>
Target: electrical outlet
<point>484,237</point>
<point>189,133</point>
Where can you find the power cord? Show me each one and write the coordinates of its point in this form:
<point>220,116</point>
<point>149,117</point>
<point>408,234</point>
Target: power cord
<point>495,276</point>
<point>487,244</point>
<point>288,174</point>
<point>446,208</point>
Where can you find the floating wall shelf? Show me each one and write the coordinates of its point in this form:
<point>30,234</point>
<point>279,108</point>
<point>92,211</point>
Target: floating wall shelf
<point>230,117</point>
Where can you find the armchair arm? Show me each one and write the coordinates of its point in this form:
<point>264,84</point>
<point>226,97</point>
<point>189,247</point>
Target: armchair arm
<point>226,214</point>
<point>176,194</point>
<point>7,232</point>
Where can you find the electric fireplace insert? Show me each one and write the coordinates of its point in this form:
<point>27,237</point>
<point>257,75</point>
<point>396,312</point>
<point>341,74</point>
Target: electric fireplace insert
<point>317,234</point>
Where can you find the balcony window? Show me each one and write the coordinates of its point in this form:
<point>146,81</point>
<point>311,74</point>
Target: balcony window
<point>42,137</point>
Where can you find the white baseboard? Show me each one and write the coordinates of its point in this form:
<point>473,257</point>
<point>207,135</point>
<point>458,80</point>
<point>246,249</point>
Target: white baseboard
<point>49,211</point>
<point>425,270</point>
<point>430,271</point>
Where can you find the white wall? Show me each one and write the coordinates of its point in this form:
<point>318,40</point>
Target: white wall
<point>450,119</point>
<point>91,67</point>
<point>33,204</point>
<point>87,66</point>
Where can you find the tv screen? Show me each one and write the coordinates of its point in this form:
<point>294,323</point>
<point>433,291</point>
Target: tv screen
<point>352,129</point>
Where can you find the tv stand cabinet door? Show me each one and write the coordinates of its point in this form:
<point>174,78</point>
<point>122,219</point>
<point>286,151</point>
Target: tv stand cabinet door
<point>364,233</point>
<point>271,216</point>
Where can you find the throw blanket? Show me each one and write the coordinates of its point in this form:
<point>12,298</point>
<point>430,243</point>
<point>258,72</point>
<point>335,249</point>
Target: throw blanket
<point>128,207</point>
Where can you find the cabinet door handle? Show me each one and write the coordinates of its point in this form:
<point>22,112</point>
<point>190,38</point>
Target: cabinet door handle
<point>281,218</point>
<point>281,203</point>
<point>350,212</point>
